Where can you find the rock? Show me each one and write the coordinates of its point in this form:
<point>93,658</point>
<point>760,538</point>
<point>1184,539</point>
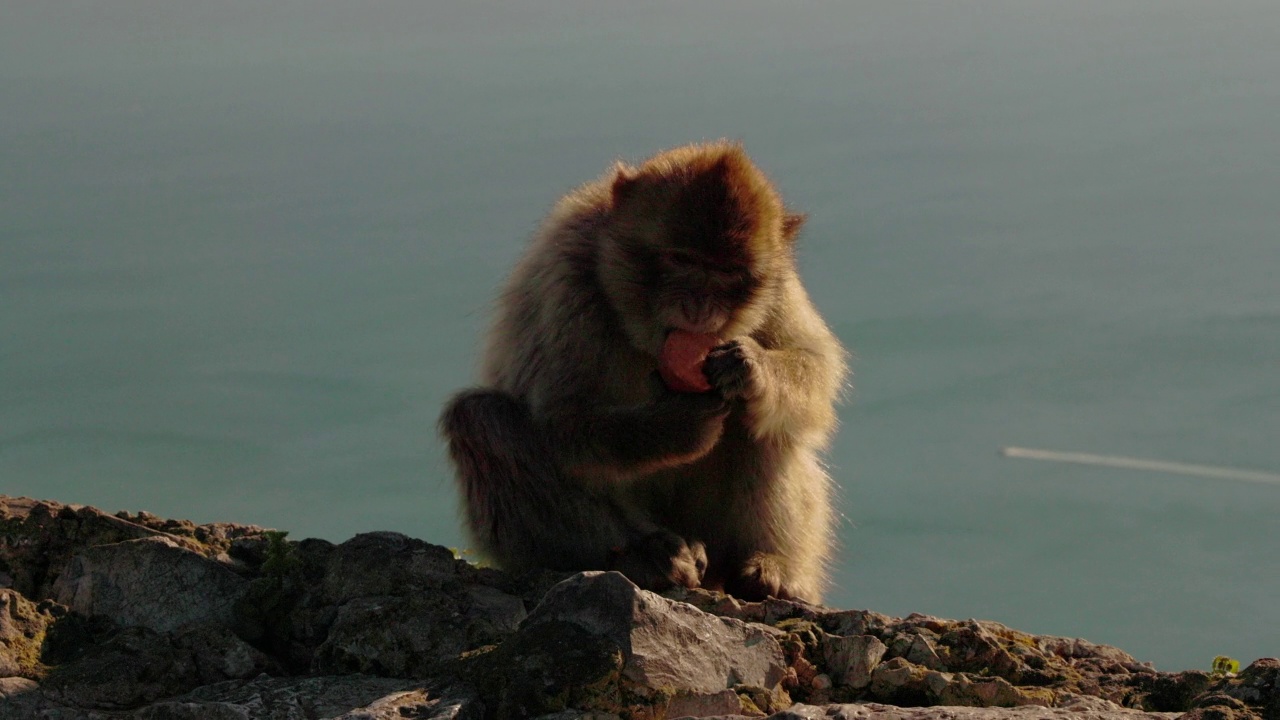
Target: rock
<point>665,644</point>
<point>876,711</point>
<point>599,642</point>
<point>38,537</point>
<point>1170,692</point>
<point>923,652</point>
<point>403,611</point>
<point>873,711</point>
<point>264,698</point>
<point>138,665</point>
<point>393,636</point>
<point>1220,706</point>
<point>856,622</point>
<point>132,615</point>
<point>151,582</point>
<point>385,563</point>
<point>851,659</point>
<point>703,704</point>
<point>901,682</point>
<point>22,630</point>
<point>973,648</point>
<point>990,692</point>
<point>1255,687</point>
<point>12,688</point>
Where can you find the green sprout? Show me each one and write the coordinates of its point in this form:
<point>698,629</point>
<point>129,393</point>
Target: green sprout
<point>1224,666</point>
<point>280,559</point>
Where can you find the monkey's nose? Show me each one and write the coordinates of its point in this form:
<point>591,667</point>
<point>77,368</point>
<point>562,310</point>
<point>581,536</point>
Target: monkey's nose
<point>695,312</point>
<point>699,316</point>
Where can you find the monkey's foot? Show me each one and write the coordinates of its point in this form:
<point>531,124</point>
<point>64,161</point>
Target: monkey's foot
<point>761,577</point>
<point>662,560</point>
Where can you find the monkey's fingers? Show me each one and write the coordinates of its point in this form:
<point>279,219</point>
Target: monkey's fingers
<point>729,368</point>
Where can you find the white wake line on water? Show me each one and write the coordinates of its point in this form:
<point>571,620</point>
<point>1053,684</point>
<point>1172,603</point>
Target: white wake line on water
<point>1117,461</point>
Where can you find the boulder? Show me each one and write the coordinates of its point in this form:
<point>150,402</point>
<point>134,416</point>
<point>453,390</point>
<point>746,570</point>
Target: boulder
<point>151,582</point>
<point>597,641</point>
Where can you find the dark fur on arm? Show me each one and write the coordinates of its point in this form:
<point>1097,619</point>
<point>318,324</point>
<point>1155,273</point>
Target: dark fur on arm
<point>617,443</point>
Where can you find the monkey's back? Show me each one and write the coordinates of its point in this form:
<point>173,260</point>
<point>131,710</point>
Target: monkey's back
<point>553,329</point>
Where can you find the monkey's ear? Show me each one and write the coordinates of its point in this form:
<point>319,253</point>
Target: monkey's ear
<point>625,181</point>
<point>791,224</point>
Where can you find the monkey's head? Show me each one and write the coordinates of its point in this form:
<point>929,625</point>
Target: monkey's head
<point>698,240</point>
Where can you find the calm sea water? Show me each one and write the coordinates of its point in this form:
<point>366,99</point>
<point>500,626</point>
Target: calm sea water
<point>247,250</point>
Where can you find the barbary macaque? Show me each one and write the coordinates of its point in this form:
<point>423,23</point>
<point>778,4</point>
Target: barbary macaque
<point>657,389</point>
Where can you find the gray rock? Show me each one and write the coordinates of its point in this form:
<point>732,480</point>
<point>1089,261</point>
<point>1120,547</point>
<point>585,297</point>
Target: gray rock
<point>393,636</point>
<point>295,698</point>
<point>697,705</point>
<point>665,644</point>
<point>1257,685</point>
<point>406,704</point>
<point>385,563</point>
<point>924,653</point>
<point>850,659</point>
<point>174,620</point>
<point>875,711</point>
<point>19,698</point>
<point>151,582</point>
<point>413,632</point>
<point>138,665</point>
<point>264,698</point>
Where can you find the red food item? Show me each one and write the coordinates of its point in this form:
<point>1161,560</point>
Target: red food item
<point>680,363</point>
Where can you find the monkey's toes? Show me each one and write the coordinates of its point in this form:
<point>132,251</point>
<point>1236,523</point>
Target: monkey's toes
<point>761,577</point>
<point>695,557</point>
<point>662,560</point>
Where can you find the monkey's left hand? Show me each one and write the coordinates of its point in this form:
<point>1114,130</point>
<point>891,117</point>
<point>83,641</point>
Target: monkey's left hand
<point>734,368</point>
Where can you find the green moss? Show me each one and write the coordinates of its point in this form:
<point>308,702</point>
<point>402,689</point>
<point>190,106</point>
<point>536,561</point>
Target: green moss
<point>749,706</point>
<point>25,647</point>
<point>27,656</point>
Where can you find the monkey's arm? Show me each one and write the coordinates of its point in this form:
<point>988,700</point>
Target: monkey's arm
<point>789,373</point>
<point>611,444</point>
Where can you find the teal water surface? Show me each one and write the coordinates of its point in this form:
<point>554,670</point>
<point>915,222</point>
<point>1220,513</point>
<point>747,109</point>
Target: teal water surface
<point>246,251</point>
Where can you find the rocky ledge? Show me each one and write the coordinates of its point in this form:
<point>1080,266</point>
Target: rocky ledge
<point>135,616</point>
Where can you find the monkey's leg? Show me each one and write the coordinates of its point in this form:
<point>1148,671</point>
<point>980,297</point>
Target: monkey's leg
<point>524,513</point>
<point>761,575</point>
<point>786,554</point>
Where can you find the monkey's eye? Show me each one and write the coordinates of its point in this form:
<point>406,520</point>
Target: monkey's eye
<point>647,267</point>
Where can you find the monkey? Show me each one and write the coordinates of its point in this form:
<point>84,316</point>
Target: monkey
<point>574,455</point>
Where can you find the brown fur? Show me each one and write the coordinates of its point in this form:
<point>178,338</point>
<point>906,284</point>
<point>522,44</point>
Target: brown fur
<point>574,456</point>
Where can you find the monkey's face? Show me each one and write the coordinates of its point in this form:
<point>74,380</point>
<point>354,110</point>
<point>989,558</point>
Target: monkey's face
<point>681,289</point>
<point>697,241</point>
<point>663,275</point>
